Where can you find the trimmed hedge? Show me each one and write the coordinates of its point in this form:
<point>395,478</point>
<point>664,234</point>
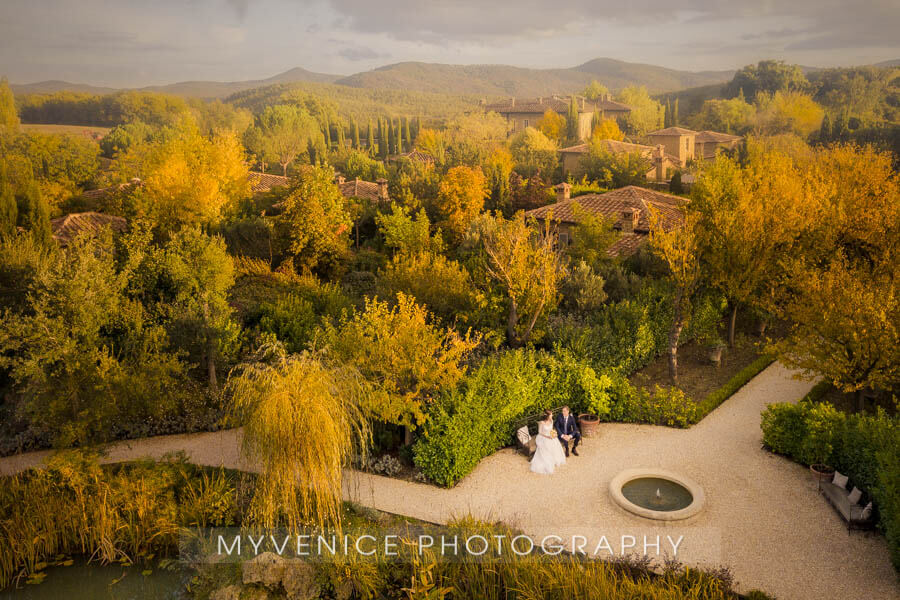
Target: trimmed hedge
<point>740,379</point>
<point>864,447</point>
<point>478,418</point>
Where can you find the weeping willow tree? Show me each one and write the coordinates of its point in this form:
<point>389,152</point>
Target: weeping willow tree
<point>302,425</point>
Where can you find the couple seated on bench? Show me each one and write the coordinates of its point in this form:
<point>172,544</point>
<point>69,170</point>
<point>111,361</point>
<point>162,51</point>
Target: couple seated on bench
<point>552,441</point>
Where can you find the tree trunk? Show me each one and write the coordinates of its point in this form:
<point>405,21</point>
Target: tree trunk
<point>511,323</point>
<point>210,351</point>
<point>861,400</point>
<point>674,334</point>
<point>407,436</point>
<point>284,169</point>
<point>731,324</point>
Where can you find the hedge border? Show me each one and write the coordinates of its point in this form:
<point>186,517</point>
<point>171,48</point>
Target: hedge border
<point>715,398</point>
<point>817,392</point>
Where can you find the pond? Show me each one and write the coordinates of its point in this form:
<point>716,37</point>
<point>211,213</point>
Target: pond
<point>82,581</point>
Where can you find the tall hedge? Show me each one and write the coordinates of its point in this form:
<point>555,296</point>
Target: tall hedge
<point>478,418</point>
<point>864,447</point>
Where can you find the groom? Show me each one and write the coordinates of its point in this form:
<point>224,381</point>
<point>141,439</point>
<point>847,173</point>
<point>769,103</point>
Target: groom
<point>567,430</point>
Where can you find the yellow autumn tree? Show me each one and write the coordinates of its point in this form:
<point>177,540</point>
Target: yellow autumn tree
<point>552,124</point>
<point>461,199</point>
<point>788,112</point>
<point>749,218</point>
<point>186,178</point>
<point>840,288</point>
<point>522,258</point>
<point>405,357</point>
<point>608,129</point>
<point>679,247</point>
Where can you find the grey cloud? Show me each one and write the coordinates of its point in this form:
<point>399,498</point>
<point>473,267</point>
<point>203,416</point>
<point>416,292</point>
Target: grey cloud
<point>358,53</point>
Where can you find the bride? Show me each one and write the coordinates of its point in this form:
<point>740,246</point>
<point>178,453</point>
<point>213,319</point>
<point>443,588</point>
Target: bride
<point>549,452</point>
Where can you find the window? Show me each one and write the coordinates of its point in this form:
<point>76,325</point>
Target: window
<point>526,123</point>
<point>563,238</point>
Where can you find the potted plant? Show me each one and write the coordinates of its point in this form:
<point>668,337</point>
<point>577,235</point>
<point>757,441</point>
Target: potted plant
<point>817,445</point>
<point>587,424</point>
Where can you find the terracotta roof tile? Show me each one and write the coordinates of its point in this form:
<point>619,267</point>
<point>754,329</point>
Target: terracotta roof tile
<point>366,190</point>
<point>263,182</point>
<point>715,136</point>
<point>613,203</point>
<point>616,147</point>
<point>66,228</point>
<point>673,131</point>
<point>627,244</point>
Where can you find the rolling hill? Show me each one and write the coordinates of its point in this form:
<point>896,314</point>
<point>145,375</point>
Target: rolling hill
<point>502,80</point>
<point>478,80</point>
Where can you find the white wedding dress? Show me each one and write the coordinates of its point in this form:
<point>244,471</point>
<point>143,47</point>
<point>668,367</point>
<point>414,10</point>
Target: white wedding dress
<point>548,452</point>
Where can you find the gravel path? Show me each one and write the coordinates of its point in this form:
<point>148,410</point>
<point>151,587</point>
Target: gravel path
<point>763,517</point>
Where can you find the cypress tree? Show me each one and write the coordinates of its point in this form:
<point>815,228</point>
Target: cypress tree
<point>355,134</point>
<point>383,140</point>
<point>392,137</point>
<point>398,137</point>
<point>675,113</point>
<point>370,138</point>
<point>667,119</point>
<point>340,135</point>
<point>327,133</point>
<point>38,216</point>
<point>418,127</point>
<point>825,131</point>
<point>9,210</point>
<point>572,119</point>
<point>406,136</point>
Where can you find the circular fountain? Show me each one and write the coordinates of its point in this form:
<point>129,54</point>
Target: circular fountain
<point>657,494</point>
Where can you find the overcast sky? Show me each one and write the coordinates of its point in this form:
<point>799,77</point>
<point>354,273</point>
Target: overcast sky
<point>134,43</point>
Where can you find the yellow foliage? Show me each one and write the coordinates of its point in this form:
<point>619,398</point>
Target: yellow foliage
<point>608,129</point>
<point>461,198</point>
<point>552,125</point>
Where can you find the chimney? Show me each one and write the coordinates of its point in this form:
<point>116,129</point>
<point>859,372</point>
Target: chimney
<point>658,155</point>
<point>582,103</point>
<point>630,218</point>
<point>513,102</point>
<point>382,188</point>
<point>340,179</point>
<point>562,191</point>
<point>540,100</point>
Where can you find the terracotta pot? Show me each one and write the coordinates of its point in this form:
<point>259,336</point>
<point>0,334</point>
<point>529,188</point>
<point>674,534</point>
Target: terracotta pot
<point>588,424</point>
<point>822,472</point>
<point>715,354</point>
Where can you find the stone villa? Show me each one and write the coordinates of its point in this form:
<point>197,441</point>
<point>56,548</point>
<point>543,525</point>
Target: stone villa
<point>628,208</point>
<point>685,144</point>
<point>520,114</point>
<point>664,164</point>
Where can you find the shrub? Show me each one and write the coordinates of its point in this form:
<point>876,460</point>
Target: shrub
<point>662,406</point>
<point>292,319</point>
<point>717,397</point>
<point>478,418</point>
<point>864,447</point>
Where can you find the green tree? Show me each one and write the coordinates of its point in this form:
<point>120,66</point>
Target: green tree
<point>9,117</point>
<point>595,90</point>
<point>534,153</point>
<point>767,76</point>
<point>370,139</point>
<point>355,130</point>
<point>316,218</point>
<point>572,121</point>
<point>646,113</point>
<point>201,271</point>
<point>37,219</point>
<point>614,169</point>
<point>288,129</point>
<point>83,356</point>
<point>9,209</point>
<point>407,235</point>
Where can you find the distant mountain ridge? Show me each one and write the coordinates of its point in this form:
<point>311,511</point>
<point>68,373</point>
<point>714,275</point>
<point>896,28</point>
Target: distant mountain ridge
<point>473,80</point>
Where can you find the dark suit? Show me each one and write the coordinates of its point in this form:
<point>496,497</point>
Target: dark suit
<point>567,426</point>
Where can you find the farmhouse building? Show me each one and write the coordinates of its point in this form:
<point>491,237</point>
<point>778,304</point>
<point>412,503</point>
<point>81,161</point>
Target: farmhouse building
<point>520,114</point>
<point>686,145</point>
<point>629,209</point>
<point>663,164</point>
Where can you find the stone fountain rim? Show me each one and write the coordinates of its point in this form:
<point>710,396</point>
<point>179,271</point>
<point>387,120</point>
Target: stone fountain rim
<point>615,491</point>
